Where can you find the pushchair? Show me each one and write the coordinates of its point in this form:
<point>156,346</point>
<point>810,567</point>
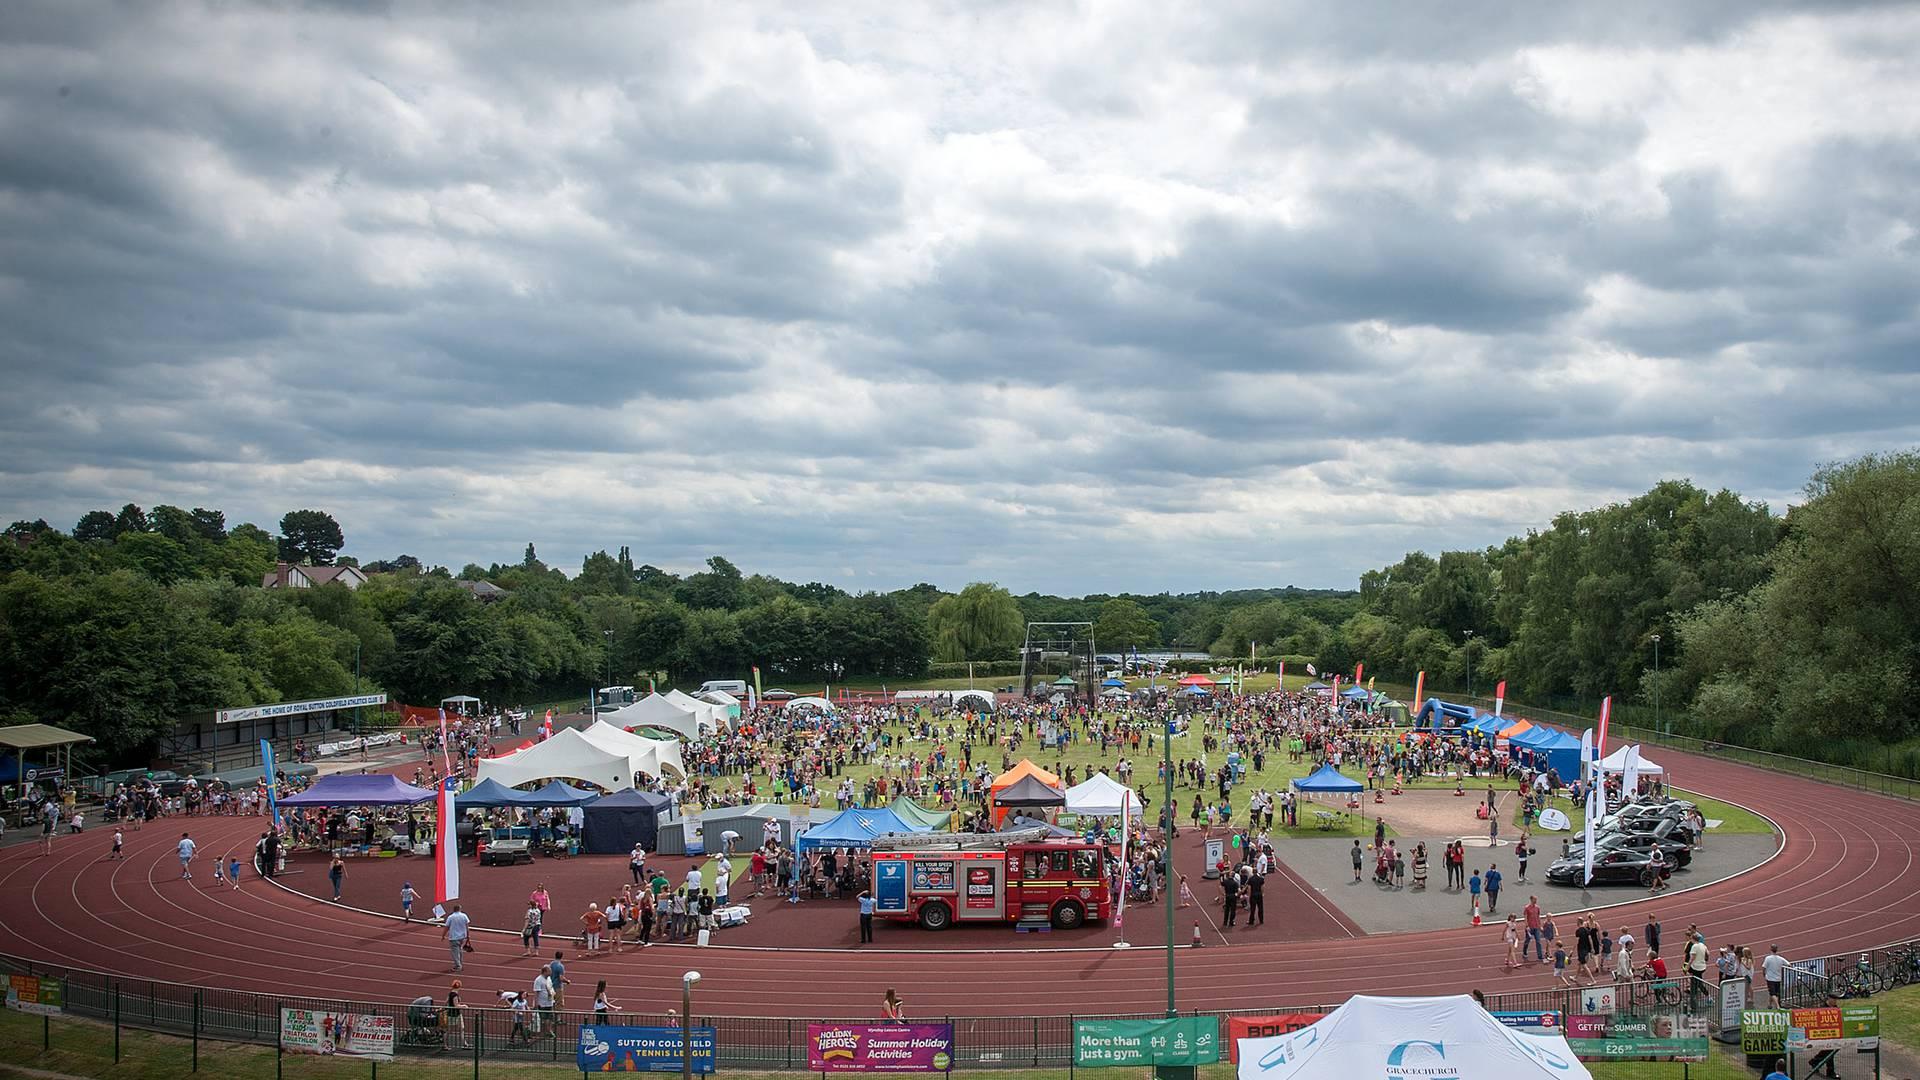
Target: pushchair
<point>423,1023</point>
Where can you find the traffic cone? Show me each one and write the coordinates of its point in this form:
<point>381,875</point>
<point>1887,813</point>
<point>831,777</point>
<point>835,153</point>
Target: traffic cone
<point>1196,934</point>
<point>1476,911</point>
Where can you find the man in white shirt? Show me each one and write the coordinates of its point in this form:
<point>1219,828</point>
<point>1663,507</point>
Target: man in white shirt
<point>454,930</point>
<point>1696,970</point>
<point>1623,954</point>
<point>543,998</point>
<point>186,856</point>
<point>1774,969</point>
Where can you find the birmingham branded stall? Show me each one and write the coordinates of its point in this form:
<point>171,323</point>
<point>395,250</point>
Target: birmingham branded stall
<point>855,828</point>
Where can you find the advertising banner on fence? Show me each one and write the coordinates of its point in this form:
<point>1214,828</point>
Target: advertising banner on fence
<point>1764,1031</point>
<point>1186,1040</point>
<point>1537,1023</point>
<point>1263,1027</point>
<point>1847,1027</point>
<point>33,994</point>
<point>1660,1037</point>
<point>879,1047</point>
<point>609,1048</point>
<point>313,1031</point>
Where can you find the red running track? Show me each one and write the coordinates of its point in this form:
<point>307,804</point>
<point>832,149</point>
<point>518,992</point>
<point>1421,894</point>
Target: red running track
<point>1845,880</point>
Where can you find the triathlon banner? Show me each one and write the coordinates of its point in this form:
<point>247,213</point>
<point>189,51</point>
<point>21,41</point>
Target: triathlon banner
<point>879,1047</point>
<point>311,1031</point>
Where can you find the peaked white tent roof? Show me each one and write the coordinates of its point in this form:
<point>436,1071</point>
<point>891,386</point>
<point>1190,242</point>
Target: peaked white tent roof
<point>1617,762</point>
<point>1412,1037</point>
<point>1101,795</point>
<point>817,702</point>
<point>657,711</point>
<point>705,710</point>
<point>570,755</point>
<point>662,752</point>
<point>719,697</point>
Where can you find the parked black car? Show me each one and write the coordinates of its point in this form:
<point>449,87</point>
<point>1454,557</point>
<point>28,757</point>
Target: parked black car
<point>1614,866</point>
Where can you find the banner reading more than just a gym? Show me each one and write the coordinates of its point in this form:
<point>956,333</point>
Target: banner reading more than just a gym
<point>1185,1040</point>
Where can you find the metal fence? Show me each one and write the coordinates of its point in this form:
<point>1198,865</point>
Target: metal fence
<point>743,1042</point>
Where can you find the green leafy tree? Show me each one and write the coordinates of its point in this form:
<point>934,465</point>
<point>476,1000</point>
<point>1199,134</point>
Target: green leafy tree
<point>94,525</point>
<point>720,586</point>
<point>981,622</point>
<point>1124,624</point>
<point>310,536</point>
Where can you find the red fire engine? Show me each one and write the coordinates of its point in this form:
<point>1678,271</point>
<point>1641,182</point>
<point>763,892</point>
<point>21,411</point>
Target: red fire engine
<point>938,879</point>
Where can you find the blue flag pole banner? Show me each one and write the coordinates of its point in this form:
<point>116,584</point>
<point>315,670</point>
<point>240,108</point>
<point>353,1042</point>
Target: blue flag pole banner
<point>267,773</point>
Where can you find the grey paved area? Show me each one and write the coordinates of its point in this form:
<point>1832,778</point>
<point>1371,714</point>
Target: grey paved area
<point>1327,865</point>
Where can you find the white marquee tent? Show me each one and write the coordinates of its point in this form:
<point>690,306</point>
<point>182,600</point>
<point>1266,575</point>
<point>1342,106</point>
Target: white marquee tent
<point>817,702</point>
<point>664,753</point>
<point>656,711</point>
<point>1410,1037</point>
<point>571,755</point>
<point>706,710</point>
<point>1617,762</point>
<point>1101,795</point>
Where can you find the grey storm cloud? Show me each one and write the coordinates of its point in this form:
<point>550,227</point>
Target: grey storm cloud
<point>1077,299</point>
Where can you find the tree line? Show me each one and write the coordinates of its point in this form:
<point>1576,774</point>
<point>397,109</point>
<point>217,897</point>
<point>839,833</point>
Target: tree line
<point>1779,631</point>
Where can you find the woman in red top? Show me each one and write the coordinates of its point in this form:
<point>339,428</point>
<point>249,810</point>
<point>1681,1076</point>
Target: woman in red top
<point>893,1009</point>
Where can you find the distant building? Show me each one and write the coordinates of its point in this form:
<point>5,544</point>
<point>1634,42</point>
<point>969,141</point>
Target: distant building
<point>290,576</point>
<point>484,590</point>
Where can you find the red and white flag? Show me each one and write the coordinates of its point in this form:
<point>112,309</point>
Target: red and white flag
<point>1281,682</point>
<point>446,760</point>
<point>1600,743</point>
<point>1499,697</point>
<point>1357,669</point>
<point>446,847</point>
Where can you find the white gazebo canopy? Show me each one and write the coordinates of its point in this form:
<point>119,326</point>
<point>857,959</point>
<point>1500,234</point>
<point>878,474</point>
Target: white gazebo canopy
<point>1617,762</point>
<point>817,702</point>
<point>1101,795</point>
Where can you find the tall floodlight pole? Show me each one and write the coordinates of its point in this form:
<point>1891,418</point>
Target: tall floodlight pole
<point>1166,807</point>
<point>1468,649</point>
<point>1658,723</point>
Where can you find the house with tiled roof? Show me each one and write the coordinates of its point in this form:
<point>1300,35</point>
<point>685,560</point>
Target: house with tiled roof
<point>297,576</point>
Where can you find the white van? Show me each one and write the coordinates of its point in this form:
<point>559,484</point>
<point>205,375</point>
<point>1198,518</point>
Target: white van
<point>736,687</point>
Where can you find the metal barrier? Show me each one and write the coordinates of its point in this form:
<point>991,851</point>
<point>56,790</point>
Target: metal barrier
<point>744,1042</point>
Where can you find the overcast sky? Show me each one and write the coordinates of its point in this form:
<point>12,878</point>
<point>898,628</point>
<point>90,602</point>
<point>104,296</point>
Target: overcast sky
<point>1071,297</point>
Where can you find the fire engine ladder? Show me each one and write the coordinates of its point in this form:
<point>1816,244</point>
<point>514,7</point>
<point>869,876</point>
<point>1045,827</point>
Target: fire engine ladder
<point>958,841</point>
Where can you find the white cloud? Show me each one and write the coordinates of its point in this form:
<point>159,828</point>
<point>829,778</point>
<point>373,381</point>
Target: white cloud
<point>1075,297</point>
